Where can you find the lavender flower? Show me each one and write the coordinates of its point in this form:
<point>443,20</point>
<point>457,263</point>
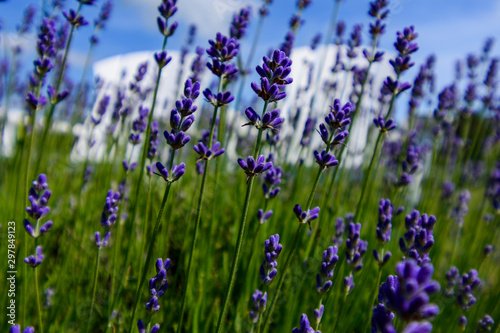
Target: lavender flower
<point>240,23</point>
<point>272,251</point>
<point>418,239</point>
<point>259,301</point>
<point>273,77</point>
<point>384,225</point>
<point>462,287</point>
<point>462,322</point>
<point>17,329</point>
<point>263,217</point>
<point>36,259</point>
<point>74,18</point>
<point>305,326</point>
<point>102,241</point>
<point>110,210</point>
<point>142,327</point>
<point>167,9</point>
<point>38,197</point>
<point>485,324</point>
<point>206,153</point>
<point>176,172</point>
<point>323,278</point>
<point>356,248</point>
<point>307,133</point>
<point>383,125</point>
<point>339,231</point>
<point>101,110</point>
<point>325,159</point>
<point>271,181</point>
<point>407,295</point>
<point>460,210</point>
<point>354,41</point>
<point>139,126</point>
<point>306,216</point>
<point>270,119</point>
<point>252,167</point>
<point>318,313</point>
<point>219,99</point>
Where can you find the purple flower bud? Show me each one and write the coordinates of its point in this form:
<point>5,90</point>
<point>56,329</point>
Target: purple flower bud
<point>161,58</point>
<point>36,259</point>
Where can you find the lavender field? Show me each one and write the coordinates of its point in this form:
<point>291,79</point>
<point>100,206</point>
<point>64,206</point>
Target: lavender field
<point>230,184</point>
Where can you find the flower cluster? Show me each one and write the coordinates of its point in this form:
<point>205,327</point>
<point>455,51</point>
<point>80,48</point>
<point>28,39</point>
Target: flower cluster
<point>240,23</point>
<point>356,248</point>
<point>139,125</point>
<point>253,167</point>
<point>36,259</point>
<point>17,329</point>
<point>462,287</point>
<point>110,210</point>
<point>142,328</point>
<point>174,175</point>
<point>270,119</point>
<point>38,197</point>
<point>323,278</point>
<point>406,295</point>
<point>221,51</point>
<point>325,159</point>
<point>273,74</point>
<point>258,305</point>
<point>181,117</point>
<point>309,126</point>
<point>272,251</point>
<point>158,285</point>
<point>167,9</point>
<point>305,326</point>
<point>493,189</point>
<point>306,216</point>
<point>418,239</point>
<point>461,208</point>
<point>102,107</point>
<point>410,165</point>
<point>271,183</point>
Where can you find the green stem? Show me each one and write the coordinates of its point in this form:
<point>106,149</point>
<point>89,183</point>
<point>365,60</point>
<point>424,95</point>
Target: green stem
<point>50,113</point>
<point>293,248</point>
<point>374,297</point>
<point>193,244</point>
<point>94,287</point>
<point>149,254</point>
<point>144,154</point>
<point>234,264</point>
<point>340,313</point>
<point>241,233</point>
<point>198,211</point>
<point>367,177</point>
<point>39,307</point>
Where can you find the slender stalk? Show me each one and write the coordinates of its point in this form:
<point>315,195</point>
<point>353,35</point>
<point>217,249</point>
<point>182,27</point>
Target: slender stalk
<point>198,212</point>
<point>94,287</point>
<point>375,293</point>
<point>39,307</point>
<point>234,264</point>
<point>144,153</point>
<point>340,313</point>
<point>193,244</point>
<point>293,248</point>
<point>149,255</point>
<point>367,177</point>
<point>241,233</point>
<point>50,113</point>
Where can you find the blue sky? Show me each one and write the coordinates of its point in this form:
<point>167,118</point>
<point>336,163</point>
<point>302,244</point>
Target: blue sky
<point>448,28</point>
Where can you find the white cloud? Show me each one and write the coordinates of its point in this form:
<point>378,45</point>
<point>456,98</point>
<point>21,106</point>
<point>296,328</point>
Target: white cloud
<point>209,16</point>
